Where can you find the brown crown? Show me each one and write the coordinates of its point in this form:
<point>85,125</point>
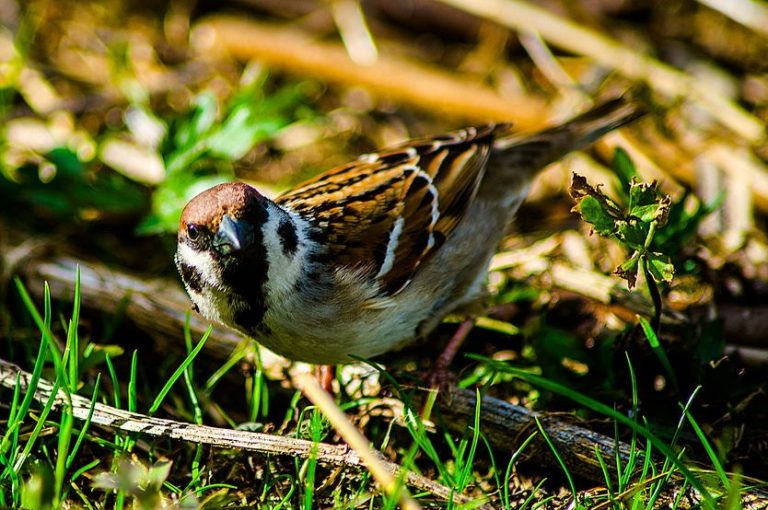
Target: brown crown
<point>208,207</point>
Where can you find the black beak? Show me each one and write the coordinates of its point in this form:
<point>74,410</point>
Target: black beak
<point>233,235</point>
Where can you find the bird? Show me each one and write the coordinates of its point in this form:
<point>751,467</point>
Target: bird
<point>370,256</point>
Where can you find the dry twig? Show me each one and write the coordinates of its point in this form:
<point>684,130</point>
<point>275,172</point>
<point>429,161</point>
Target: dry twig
<point>120,420</point>
<point>570,36</point>
<point>505,425</point>
<point>397,78</point>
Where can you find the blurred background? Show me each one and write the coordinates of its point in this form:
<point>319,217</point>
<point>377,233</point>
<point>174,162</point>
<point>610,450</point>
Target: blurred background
<point>116,113</point>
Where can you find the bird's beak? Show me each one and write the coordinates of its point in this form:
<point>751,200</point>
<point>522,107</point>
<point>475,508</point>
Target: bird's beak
<point>233,235</point>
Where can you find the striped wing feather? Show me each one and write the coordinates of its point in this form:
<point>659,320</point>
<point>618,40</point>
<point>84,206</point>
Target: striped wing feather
<point>386,213</point>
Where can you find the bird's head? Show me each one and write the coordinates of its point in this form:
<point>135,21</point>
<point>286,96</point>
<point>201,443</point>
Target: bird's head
<point>223,221</point>
<point>221,253</point>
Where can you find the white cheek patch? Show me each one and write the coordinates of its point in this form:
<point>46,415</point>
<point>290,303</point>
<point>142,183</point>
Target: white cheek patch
<point>202,262</point>
<point>211,302</point>
<point>284,270</point>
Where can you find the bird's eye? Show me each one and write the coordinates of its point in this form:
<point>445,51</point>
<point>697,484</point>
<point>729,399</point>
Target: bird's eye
<point>193,231</point>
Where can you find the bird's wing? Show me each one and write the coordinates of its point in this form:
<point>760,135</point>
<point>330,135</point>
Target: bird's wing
<point>387,212</point>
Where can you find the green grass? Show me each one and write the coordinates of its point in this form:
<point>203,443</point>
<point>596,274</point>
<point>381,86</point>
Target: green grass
<point>643,487</point>
<point>91,468</point>
<point>57,465</point>
<point>677,434</point>
<point>49,459</point>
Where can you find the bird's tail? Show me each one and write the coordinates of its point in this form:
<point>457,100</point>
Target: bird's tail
<point>542,148</point>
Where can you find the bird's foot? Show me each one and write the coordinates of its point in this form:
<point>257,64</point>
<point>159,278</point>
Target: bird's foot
<point>440,377</point>
<point>325,375</point>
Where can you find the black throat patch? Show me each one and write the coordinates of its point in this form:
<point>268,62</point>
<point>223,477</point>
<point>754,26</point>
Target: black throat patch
<point>244,273</point>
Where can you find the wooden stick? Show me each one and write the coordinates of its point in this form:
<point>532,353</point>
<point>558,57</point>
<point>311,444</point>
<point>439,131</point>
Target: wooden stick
<point>505,425</point>
<point>397,78</point>
<point>120,420</point>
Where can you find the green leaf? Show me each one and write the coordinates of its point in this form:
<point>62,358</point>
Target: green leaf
<point>199,122</point>
<point>645,213</point>
<point>241,131</point>
<point>660,266</point>
<point>252,118</point>
<point>647,204</point>
<point>628,270</point>
<point>642,197</point>
<point>594,213</point>
<point>632,233</point>
<point>66,161</point>
<point>200,146</point>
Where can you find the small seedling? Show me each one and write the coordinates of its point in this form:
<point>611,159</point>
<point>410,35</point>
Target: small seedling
<point>651,227</point>
<point>634,227</point>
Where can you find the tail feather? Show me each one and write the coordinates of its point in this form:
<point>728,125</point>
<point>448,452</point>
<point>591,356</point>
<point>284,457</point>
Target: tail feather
<point>536,151</point>
<point>588,127</point>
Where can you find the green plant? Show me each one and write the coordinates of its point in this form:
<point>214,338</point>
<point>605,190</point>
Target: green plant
<point>651,227</point>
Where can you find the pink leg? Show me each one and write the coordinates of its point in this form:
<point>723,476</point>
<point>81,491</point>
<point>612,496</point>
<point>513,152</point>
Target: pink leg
<point>325,375</point>
<point>440,376</point>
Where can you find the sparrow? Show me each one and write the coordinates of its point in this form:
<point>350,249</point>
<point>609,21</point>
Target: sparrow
<point>370,256</point>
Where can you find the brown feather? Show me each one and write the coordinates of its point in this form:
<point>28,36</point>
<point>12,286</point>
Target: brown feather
<point>429,183</point>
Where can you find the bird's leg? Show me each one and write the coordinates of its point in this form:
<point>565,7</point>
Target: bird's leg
<point>440,377</point>
<point>325,375</point>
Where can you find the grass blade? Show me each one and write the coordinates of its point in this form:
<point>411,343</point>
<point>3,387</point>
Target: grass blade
<point>178,372</point>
